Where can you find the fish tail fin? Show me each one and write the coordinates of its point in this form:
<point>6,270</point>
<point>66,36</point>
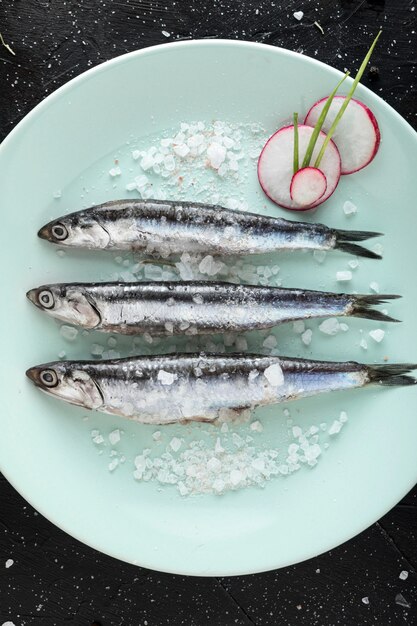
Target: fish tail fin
<point>362,306</point>
<point>391,374</point>
<point>344,239</point>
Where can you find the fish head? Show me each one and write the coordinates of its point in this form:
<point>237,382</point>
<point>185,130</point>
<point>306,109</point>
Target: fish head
<point>64,380</point>
<point>76,230</point>
<point>67,303</point>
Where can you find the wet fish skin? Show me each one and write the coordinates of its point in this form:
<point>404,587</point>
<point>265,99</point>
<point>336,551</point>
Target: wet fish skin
<point>180,388</point>
<point>193,307</point>
<point>167,228</point>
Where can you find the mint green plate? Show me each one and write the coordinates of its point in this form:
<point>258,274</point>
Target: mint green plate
<point>68,142</point>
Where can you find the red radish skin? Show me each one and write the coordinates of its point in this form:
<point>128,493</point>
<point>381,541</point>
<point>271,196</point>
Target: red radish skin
<point>275,165</point>
<point>357,135</point>
<point>307,186</point>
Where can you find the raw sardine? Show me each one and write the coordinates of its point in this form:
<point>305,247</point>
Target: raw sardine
<point>193,307</point>
<point>170,228</point>
<point>166,389</point>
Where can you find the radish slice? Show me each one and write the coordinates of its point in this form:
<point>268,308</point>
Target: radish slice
<point>307,186</point>
<point>275,166</point>
<point>357,135</point>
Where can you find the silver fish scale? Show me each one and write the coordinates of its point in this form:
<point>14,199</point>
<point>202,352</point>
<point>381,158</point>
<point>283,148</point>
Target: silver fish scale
<point>202,387</point>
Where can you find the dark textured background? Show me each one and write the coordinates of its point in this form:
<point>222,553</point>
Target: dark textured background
<point>55,580</point>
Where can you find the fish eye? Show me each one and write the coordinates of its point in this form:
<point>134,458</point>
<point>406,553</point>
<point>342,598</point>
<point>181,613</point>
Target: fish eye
<point>46,299</point>
<point>49,378</point>
<point>60,232</point>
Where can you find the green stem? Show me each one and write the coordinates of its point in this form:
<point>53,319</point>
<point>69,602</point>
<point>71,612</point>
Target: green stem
<point>346,101</point>
<point>295,160</point>
<point>319,124</point>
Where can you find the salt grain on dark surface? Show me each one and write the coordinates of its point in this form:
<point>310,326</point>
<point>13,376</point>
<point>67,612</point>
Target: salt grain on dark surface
<point>55,579</point>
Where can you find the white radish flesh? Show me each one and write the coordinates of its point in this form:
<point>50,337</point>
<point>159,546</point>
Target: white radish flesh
<point>357,135</point>
<point>275,165</point>
<point>307,186</point>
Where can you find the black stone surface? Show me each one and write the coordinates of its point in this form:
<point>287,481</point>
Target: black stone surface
<point>55,580</point>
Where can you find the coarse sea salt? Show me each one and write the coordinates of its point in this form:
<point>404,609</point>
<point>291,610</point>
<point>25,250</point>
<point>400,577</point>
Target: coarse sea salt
<point>270,342</point>
<point>9,563</point>
<point>115,171</point>
<point>114,436</point>
<point>319,255</point>
<point>330,326</point>
<point>298,15</point>
<point>307,336</point>
<point>274,375</point>
<point>349,208</point>
<point>377,335</point>
<point>68,332</point>
<point>344,276</point>
<point>403,575</point>
<point>166,378</point>
<point>373,286</point>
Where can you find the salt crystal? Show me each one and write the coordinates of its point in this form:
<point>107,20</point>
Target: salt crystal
<point>224,428</point>
<point>96,349</point>
<point>365,600</point>
<point>363,344</point>
<point>166,33</point>
<point>378,249</point>
<point>296,432</point>
<point>112,342</point>
<point>156,435</point>
<point>354,263</point>
<point>98,439</point>
<point>218,485</point>
<point>114,437</point>
<point>237,440</point>
<point>60,253</point>
<point>401,601</point>
<point>319,255</point>
<point>216,155</point>
<point>9,563</point>
<point>335,428</point>
<point>256,426</point>
<point>344,276</point>
<point>8,623</point>
<point>113,464</point>
<point>323,426</point>
<point>298,15</point>
<point>136,154</point>
<point>330,326</point>
<point>270,342</point>
<point>274,374</point>
<point>68,332</point>
<point>252,375</point>
<point>258,464</point>
<point>166,378</point>
<point>307,336</point>
<point>175,444</point>
<point>298,327</point>
<point>218,448</point>
<point>343,327</point>
<point>141,182</point>
<point>183,489</point>
<point>377,335</point>
<point>403,575</point>
<point>374,286</point>
<point>349,208</point>
<point>343,418</point>
<point>235,477</point>
<point>115,171</point>
<point>57,194</point>
<point>313,430</point>
<point>241,344</point>
<point>182,150</point>
<point>214,465</point>
<point>62,354</point>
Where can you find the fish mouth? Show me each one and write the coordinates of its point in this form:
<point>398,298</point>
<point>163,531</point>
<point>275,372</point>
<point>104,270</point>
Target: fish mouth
<point>32,295</point>
<point>33,374</point>
<point>45,233</point>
